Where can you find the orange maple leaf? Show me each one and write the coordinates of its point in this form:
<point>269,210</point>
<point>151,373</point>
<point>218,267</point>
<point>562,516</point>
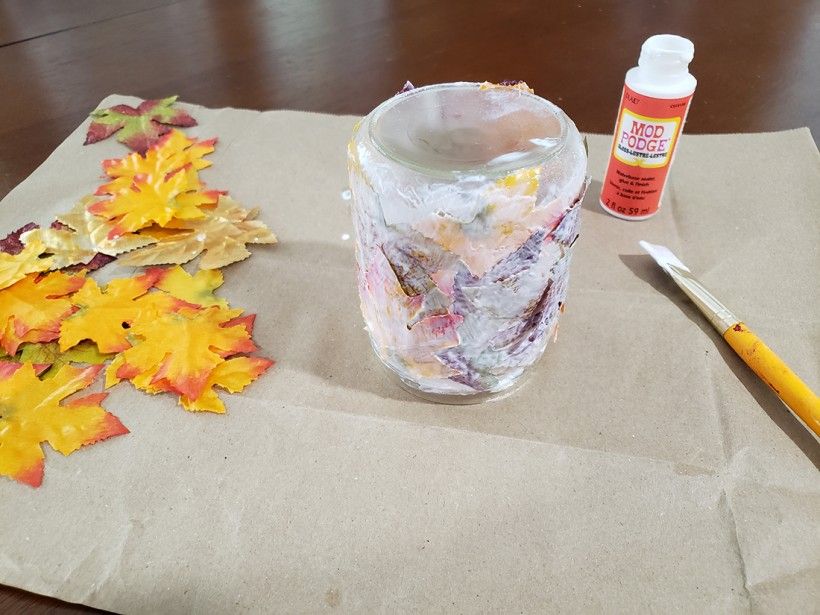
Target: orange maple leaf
<point>31,413</point>
<point>179,350</point>
<point>233,375</point>
<point>31,309</point>
<point>105,315</point>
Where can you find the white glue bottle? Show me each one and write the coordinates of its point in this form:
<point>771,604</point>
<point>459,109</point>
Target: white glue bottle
<point>654,104</point>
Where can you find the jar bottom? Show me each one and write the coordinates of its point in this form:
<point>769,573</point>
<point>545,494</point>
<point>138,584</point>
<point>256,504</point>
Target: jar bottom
<point>465,399</point>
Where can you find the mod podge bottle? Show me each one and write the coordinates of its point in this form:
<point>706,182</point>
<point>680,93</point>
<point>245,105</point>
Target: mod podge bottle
<point>650,120</point>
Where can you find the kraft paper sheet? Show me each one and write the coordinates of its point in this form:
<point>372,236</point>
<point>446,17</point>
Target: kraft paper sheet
<point>641,468</point>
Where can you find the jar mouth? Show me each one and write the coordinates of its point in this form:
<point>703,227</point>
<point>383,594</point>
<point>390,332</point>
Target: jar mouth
<point>453,130</point>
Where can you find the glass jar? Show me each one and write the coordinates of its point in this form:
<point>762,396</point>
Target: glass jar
<point>466,208</point>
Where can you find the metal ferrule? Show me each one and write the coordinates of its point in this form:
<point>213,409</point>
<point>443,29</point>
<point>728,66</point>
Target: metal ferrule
<point>718,314</point>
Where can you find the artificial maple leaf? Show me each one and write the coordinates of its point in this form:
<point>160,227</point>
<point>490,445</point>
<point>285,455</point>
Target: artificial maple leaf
<point>49,355</point>
<point>162,184</point>
<point>101,232</point>
<point>105,315</point>
<point>197,289</point>
<point>172,153</point>
<point>158,201</point>
<point>65,247</point>
<point>233,375</point>
<point>15,267</point>
<point>68,250</point>
<point>31,413</point>
<point>221,235</point>
<point>179,350</point>
<point>7,368</point>
<point>98,260</point>
<point>31,310</point>
<point>171,246</point>
<point>11,243</point>
<point>137,128</point>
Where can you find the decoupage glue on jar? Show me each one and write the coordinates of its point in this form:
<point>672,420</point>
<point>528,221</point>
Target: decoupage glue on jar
<point>653,109</point>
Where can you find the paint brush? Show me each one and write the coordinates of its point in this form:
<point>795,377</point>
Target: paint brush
<point>797,396</point>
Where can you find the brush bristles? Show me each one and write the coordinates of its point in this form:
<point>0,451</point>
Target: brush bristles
<point>662,255</point>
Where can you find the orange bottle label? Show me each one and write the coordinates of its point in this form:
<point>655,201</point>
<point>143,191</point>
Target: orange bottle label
<point>646,135</point>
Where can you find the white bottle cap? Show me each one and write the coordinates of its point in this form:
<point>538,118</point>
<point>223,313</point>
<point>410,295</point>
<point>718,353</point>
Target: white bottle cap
<point>666,55</point>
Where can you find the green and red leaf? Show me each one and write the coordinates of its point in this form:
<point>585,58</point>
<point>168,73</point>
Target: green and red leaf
<point>138,128</point>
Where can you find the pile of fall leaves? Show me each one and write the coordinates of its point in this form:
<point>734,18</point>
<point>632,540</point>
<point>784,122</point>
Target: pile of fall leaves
<point>162,329</point>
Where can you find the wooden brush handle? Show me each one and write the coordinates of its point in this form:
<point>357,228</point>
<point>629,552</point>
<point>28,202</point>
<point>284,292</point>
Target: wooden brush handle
<point>774,372</point>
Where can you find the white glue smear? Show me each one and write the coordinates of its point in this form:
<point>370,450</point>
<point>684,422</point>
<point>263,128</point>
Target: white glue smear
<point>505,158</point>
<point>546,142</point>
<point>662,255</point>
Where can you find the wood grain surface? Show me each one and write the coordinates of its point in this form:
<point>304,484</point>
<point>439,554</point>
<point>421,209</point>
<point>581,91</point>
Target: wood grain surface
<point>756,64</point>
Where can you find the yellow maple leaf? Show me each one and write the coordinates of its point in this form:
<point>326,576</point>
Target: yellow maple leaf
<point>31,309</point>
<point>101,233</point>
<point>105,315</point>
<point>31,413</point>
<point>179,350</point>
<point>222,235</point>
<point>173,152</point>
<point>233,375</point>
<point>153,202</point>
<point>14,267</point>
<point>197,289</point>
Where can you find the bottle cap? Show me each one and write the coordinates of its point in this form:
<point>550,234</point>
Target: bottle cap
<point>666,54</point>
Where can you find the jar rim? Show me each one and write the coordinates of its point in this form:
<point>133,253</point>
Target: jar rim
<point>534,157</point>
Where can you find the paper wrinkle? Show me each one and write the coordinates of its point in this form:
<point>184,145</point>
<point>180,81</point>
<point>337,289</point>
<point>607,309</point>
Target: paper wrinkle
<point>674,467</point>
<point>677,468</point>
<point>64,586</point>
<point>114,562</point>
<point>661,300</point>
<point>726,506</point>
<point>732,476</point>
<point>100,554</point>
<point>812,574</point>
<point>769,554</point>
<point>738,458</point>
<point>742,462</point>
<point>725,500</point>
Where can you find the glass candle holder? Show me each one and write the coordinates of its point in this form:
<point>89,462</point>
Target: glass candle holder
<point>466,208</point>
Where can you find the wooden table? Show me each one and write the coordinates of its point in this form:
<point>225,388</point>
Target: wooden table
<point>756,64</point>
